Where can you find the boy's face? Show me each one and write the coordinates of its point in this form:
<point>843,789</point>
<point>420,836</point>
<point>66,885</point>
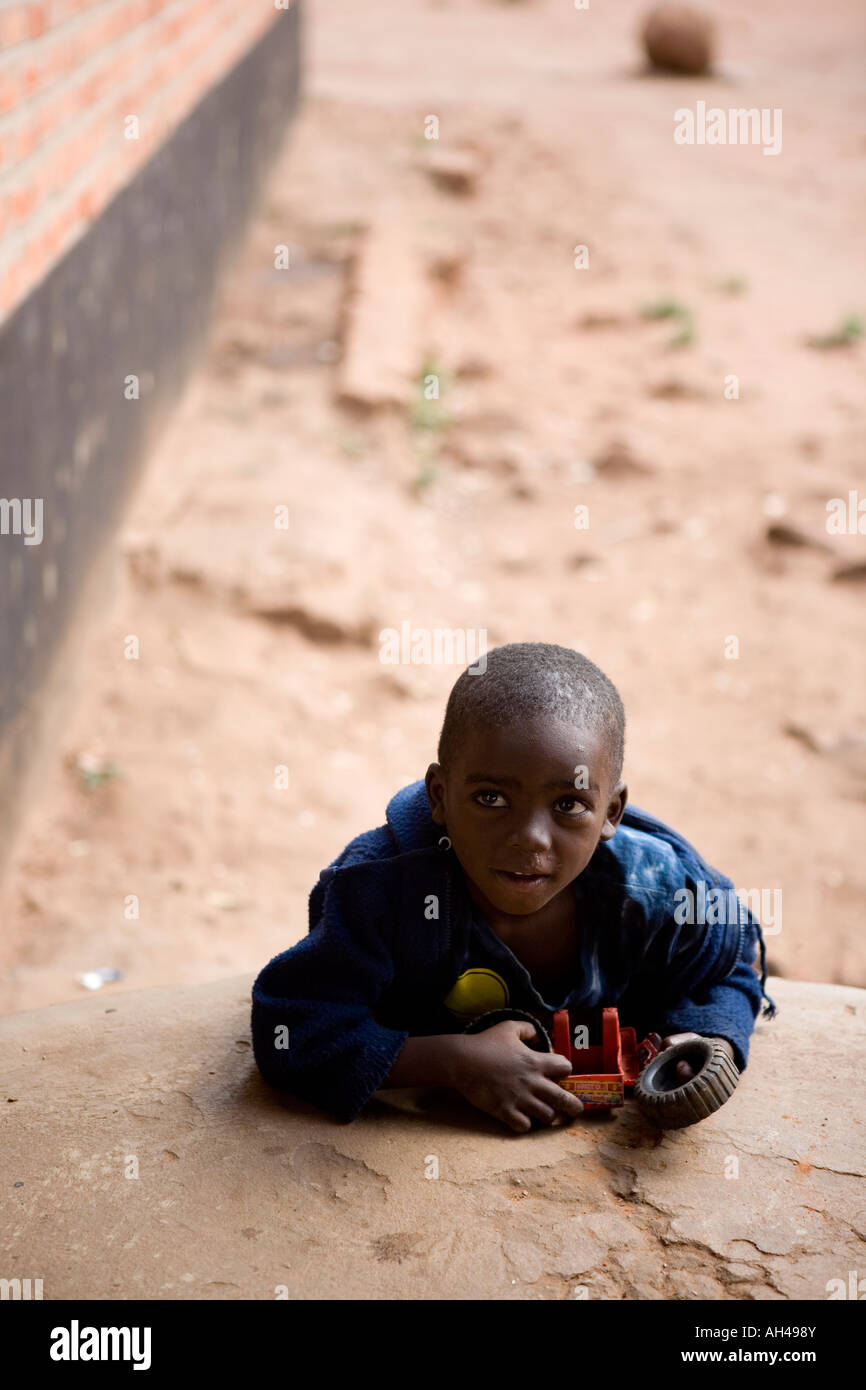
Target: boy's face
<point>520,827</point>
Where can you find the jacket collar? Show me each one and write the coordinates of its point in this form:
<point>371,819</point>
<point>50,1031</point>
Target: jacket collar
<point>410,820</point>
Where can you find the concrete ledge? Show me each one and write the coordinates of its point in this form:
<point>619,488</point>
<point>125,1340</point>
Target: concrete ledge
<point>241,1190</point>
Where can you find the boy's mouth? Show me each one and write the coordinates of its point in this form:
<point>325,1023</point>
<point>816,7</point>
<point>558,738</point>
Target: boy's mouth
<point>522,882</point>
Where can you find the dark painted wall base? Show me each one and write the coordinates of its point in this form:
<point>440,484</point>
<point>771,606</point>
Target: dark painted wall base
<point>132,298</point>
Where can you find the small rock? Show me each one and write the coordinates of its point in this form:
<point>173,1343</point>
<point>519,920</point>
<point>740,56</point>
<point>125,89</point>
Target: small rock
<point>782,533</point>
<point>674,389</point>
<point>618,460</point>
<point>679,38</point>
<point>144,561</point>
<point>503,455</point>
<point>850,574</point>
<point>596,319</point>
<point>455,171</point>
<point>447,267</point>
<point>816,743</point>
<point>474,368</point>
<point>524,491</point>
<point>391,683</point>
<point>845,741</point>
<point>774,504</point>
<point>328,617</point>
<point>226,901</point>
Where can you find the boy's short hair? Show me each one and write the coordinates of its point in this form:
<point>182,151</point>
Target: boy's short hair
<point>526,679</point>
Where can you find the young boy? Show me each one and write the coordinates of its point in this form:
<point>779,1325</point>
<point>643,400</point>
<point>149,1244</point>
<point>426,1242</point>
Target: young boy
<point>512,879</point>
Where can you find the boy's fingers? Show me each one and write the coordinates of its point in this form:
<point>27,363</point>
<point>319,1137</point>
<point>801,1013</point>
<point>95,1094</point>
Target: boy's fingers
<point>685,1071</point>
<point>552,1094</point>
<point>517,1121</point>
<point>546,1106</point>
<point>538,1109</point>
<point>565,1101</point>
<point>525,1030</point>
<point>554,1064</point>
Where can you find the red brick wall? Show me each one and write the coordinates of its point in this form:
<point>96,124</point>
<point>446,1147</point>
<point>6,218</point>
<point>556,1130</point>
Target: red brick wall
<point>71,74</point>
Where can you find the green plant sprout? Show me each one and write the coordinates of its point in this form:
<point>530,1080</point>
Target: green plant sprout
<point>427,413</point>
<point>96,775</point>
<point>680,313</point>
<point>849,330</point>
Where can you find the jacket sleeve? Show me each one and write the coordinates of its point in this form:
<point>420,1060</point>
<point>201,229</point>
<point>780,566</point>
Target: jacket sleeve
<point>312,1025</point>
<point>726,1008</point>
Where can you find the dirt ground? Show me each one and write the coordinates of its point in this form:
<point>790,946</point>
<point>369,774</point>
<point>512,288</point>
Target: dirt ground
<point>163,842</point>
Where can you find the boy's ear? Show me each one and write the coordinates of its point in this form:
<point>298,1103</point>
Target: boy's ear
<point>615,808</point>
<point>436,793</point>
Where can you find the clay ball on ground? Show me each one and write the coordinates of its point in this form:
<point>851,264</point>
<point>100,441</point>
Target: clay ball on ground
<point>679,38</point>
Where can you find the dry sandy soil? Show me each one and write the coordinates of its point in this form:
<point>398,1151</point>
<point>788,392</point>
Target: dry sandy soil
<point>258,646</point>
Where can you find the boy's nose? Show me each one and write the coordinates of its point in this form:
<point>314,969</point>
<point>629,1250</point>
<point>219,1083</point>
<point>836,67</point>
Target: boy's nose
<point>532,835</point>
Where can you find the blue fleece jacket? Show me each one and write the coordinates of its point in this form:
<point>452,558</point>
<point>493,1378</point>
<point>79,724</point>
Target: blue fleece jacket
<point>396,948</point>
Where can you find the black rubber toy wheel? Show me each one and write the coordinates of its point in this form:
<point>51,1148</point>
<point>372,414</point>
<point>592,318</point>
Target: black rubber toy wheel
<point>673,1103</point>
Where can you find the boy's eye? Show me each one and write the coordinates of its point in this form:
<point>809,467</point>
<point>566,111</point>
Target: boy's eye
<point>565,806</point>
<point>496,798</point>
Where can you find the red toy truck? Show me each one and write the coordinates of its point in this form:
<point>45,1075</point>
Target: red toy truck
<point>602,1071</point>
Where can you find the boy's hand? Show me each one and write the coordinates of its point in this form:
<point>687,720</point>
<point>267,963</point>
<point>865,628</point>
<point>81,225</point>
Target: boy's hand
<point>684,1071</point>
<point>510,1081</point>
